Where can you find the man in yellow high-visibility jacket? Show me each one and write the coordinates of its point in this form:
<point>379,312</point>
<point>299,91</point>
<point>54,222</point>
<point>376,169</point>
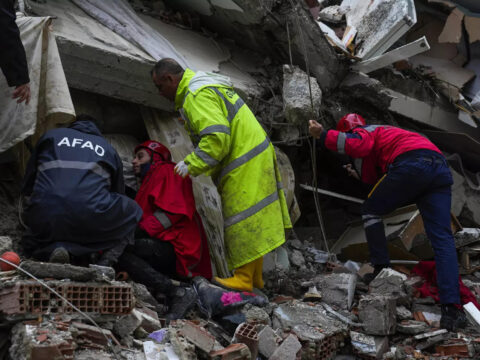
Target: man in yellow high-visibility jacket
<point>231,146</point>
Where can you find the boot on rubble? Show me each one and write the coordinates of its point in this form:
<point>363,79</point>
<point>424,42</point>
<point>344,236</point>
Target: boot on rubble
<point>258,274</point>
<point>182,299</point>
<point>242,279</point>
<point>452,318</point>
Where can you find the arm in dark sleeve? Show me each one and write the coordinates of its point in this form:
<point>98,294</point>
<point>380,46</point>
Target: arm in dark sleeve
<point>31,172</point>
<point>13,60</point>
<point>118,183</point>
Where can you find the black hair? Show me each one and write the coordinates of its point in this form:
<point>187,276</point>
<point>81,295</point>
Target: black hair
<point>98,123</point>
<point>166,66</point>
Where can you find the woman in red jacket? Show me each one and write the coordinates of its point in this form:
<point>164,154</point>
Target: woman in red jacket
<point>170,239</point>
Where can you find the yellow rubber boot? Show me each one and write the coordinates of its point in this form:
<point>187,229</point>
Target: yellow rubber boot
<point>258,274</point>
<point>242,278</point>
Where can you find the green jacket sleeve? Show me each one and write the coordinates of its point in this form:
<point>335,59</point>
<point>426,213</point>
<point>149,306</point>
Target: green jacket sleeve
<point>207,115</point>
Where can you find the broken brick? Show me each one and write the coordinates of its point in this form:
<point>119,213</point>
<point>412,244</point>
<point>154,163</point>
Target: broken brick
<point>232,352</point>
<point>198,336</point>
<point>247,334</point>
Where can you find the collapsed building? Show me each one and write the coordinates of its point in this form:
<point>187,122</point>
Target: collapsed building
<point>407,63</point>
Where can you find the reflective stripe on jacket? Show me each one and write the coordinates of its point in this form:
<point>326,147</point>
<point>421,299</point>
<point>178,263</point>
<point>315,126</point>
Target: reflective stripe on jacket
<point>374,147</point>
<point>231,146</point>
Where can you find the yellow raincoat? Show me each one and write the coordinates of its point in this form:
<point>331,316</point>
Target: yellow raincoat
<point>232,147</point>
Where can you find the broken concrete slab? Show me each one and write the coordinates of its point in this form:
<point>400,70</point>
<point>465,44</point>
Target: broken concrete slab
<point>288,315</point>
<point>466,237</point>
<point>371,346</point>
<point>296,95</point>
<point>403,313</point>
<point>332,14</point>
<point>401,53</point>
<point>378,314</point>
<point>288,349</point>
<point>67,271</point>
<point>430,334</point>
<point>389,283</point>
<point>337,289</point>
<point>268,341</point>
<point>412,327</point>
<point>200,337</point>
<point>472,314</point>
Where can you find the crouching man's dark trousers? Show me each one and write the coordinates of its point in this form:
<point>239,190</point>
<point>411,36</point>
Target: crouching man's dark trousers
<point>421,177</point>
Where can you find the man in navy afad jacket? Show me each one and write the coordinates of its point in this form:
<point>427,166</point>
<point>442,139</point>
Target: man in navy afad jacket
<point>75,202</point>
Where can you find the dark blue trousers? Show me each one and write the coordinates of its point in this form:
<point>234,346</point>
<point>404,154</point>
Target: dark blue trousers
<point>421,177</point>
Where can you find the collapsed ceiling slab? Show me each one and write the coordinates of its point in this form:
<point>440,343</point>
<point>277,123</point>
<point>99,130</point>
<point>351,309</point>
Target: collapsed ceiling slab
<point>98,60</point>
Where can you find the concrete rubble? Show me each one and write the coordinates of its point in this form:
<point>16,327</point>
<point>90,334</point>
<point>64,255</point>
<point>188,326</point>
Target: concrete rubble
<point>412,64</point>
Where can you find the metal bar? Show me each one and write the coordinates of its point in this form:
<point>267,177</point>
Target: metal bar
<point>333,194</point>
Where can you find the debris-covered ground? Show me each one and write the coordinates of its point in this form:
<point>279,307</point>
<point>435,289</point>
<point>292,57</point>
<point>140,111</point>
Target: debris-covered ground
<point>413,64</point>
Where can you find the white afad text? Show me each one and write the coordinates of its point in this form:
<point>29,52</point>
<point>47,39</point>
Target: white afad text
<point>80,143</point>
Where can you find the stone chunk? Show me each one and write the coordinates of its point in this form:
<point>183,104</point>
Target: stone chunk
<point>67,271</point>
<point>389,283</point>
<point>296,95</point>
<point>288,350</point>
<point>5,244</point>
<point>297,259</point>
<point>198,336</point>
<point>267,341</point>
<point>337,289</point>
<point>378,314</point>
<point>466,237</point>
<point>412,327</point>
<point>371,346</point>
<point>403,313</point>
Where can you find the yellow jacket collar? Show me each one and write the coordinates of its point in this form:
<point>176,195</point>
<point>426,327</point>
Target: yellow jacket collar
<point>183,88</point>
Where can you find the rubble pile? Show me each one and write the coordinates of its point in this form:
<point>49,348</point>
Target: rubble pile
<point>336,315</point>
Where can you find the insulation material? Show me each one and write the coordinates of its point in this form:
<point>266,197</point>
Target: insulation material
<point>125,146</point>
<point>119,17</point>
<point>452,32</point>
<point>379,23</point>
<point>50,102</point>
<point>166,129</point>
<point>472,25</point>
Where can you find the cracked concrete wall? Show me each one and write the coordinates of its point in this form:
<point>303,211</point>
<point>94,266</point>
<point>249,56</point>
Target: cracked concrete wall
<point>262,26</point>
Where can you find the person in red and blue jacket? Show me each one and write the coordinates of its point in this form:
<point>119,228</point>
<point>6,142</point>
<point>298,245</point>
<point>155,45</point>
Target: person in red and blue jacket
<point>405,168</point>
<point>170,240</point>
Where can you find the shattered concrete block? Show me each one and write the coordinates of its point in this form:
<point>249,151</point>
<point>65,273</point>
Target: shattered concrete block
<point>58,271</point>
<point>378,314</point>
<point>276,260</point>
<point>412,327</point>
<point>126,325</point>
<point>296,95</point>
<point>389,283</point>
<point>198,336</point>
<point>297,259</point>
<point>255,315</point>
<point>288,349</point>
<point>337,289</point>
<point>374,346</point>
<point>403,313</point>
<point>5,244</point>
<point>267,341</point>
<point>430,334</point>
<point>466,237</point>
<point>232,352</point>
<point>288,315</point>
<point>181,346</point>
<point>332,14</point>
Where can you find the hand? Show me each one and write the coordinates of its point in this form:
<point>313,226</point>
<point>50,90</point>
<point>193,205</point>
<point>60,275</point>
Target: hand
<point>22,92</point>
<point>315,129</point>
<point>351,171</point>
<point>181,169</point>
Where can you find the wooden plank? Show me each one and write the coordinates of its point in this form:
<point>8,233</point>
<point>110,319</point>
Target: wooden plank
<point>164,127</point>
<point>401,53</point>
